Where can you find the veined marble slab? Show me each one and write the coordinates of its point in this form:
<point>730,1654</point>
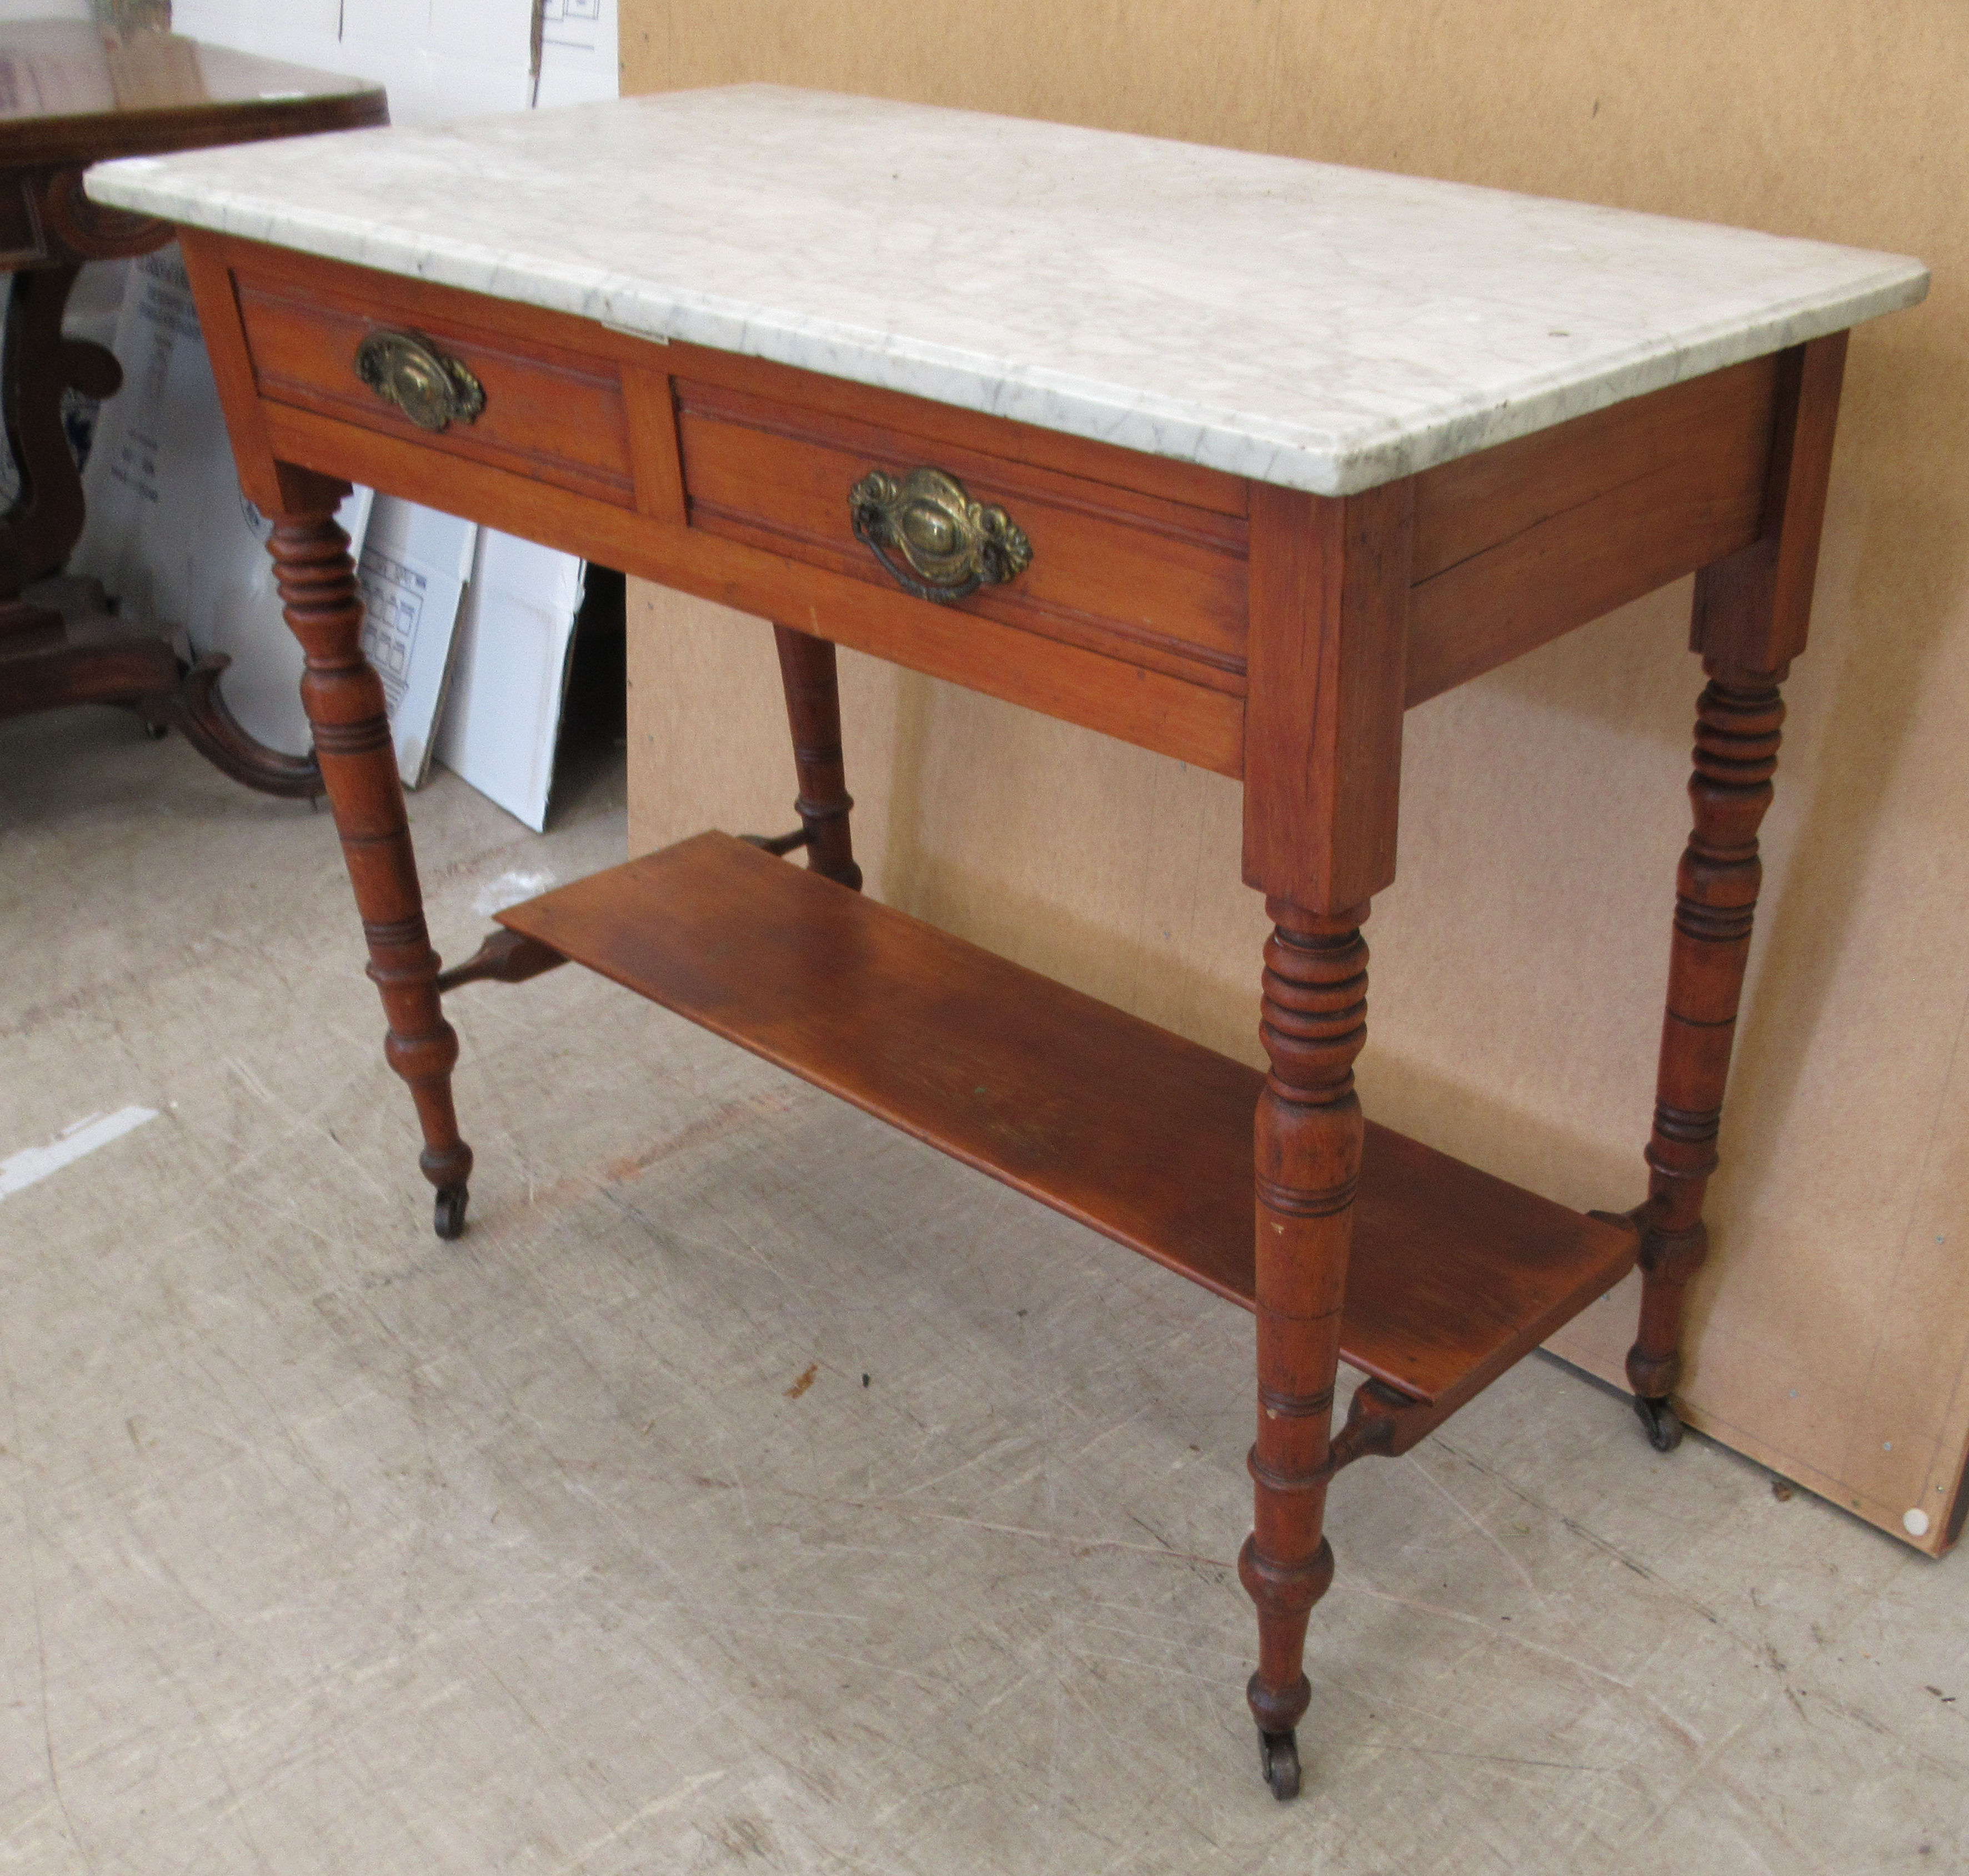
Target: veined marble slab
<point>1324,328</point>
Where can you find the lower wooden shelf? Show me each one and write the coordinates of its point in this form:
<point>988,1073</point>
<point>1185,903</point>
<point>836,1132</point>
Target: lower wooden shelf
<point>1145,1137</point>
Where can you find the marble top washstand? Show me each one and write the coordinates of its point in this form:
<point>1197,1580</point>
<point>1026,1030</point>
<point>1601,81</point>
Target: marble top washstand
<point>1322,328</point>
<point>724,341</point>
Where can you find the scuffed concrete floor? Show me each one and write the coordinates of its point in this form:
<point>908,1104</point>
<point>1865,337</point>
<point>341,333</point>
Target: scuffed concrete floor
<point>582,1546</point>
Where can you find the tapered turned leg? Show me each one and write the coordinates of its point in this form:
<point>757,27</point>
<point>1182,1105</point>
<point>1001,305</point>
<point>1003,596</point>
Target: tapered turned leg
<point>344,699</point>
<point>1738,724</point>
<point>1309,1130</point>
<point>814,713</point>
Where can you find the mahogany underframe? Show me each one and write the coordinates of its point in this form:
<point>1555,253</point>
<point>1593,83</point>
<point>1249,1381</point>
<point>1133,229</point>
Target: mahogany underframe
<point>1290,633</point>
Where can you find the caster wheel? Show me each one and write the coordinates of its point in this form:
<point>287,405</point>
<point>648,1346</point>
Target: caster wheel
<point>155,732</point>
<point>1663,1423</point>
<point>449,1219</point>
<point>1278,1760</point>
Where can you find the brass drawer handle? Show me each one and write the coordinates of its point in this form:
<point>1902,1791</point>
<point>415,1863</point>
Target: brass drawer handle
<point>429,387</point>
<point>950,545</point>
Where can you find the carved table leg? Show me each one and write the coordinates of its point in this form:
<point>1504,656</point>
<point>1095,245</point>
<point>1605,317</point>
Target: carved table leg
<point>45,522</point>
<point>40,530</point>
<point>1309,1132</point>
<point>814,713</point>
<point>1738,724</point>
<point>344,699</point>
<point>196,706</point>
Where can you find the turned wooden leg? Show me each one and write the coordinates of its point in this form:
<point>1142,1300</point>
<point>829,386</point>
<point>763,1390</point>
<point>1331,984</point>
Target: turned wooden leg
<point>1738,724</point>
<point>344,699</point>
<point>813,713</point>
<point>1309,1131</point>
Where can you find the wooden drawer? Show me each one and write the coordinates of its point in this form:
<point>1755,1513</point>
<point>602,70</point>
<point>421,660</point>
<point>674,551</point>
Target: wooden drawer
<point>727,477</point>
<point>1121,569</point>
<point>550,414</point>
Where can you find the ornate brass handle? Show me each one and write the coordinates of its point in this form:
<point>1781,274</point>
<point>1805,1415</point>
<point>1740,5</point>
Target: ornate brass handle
<point>429,387</point>
<point>950,545</point>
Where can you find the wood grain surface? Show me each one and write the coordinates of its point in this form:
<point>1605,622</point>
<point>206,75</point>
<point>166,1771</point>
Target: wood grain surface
<point>1129,1128</point>
<point>1114,568</point>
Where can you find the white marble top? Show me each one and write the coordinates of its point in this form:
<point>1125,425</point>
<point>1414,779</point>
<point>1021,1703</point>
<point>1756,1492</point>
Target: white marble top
<point>1324,328</point>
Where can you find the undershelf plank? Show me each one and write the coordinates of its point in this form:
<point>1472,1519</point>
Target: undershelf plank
<point>1144,1136</point>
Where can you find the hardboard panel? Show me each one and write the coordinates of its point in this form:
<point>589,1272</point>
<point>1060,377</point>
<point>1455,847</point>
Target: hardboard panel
<point>708,742</point>
<point>1520,957</point>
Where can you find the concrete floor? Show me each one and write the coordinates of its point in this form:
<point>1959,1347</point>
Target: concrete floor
<point>584,1545</point>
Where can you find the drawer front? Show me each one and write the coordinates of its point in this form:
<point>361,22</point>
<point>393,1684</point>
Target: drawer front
<point>1115,569</point>
<point>552,415</point>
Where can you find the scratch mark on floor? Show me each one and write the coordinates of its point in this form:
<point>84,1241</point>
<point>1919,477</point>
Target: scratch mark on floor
<point>655,1807</point>
<point>1490,1758</point>
<point>1080,1546</point>
<point>1693,1738</point>
<point>255,1086</point>
<point>1483,1530</point>
<point>34,1597</point>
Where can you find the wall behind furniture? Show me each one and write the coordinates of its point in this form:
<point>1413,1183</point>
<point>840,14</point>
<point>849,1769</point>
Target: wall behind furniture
<point>1521,956</point>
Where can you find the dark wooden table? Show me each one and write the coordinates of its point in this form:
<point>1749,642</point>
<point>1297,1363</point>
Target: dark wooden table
<point>72,94</point>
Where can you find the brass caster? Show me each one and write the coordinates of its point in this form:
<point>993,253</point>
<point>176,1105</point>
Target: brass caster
<point>1663,1423</point>
<point>449,1219</point>
<point>1278,1760</point>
